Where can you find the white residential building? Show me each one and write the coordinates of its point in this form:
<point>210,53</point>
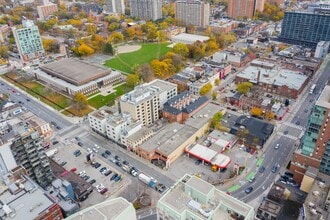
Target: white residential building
<point>146,9</point>
<point>145,101</point>
<point>115,6</point>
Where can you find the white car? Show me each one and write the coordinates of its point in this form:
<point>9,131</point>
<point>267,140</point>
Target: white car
<point>277,146</point>
<point>96,146</point>
<point>95,150</point>
<point>89,150</point>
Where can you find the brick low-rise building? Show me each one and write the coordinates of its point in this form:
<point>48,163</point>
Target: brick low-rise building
<point>273,79</point>
<point>183,106</point>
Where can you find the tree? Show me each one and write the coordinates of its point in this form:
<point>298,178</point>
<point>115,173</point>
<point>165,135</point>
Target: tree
<point>146,72</point>
<point>206,89</point>
<point>80,101</point>
<point>160,68</point>
<point>152,34</point>
<point>242,134</point>
<point>216,119</point>
<point>91,29</point>
<point>3,51</point>
<point>75,22</point>
<point>129,33</point>
<point>116,38</point>
<point>108,49</point>
<point>50,45</point>
<point>244,87</point>
<point>132,80</point>
<point>255,111</point>
<point>85,50</point>
<point>217,81</point>
<point>214,95</point>
<point>181,49</point>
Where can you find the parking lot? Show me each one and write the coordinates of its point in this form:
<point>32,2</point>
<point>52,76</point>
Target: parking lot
<point>65,154</point>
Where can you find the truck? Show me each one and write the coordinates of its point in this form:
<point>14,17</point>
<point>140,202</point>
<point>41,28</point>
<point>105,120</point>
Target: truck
<point>51,153</point>
<point>151,182</point>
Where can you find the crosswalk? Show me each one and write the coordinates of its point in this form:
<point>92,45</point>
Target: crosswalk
<point>299,127</point>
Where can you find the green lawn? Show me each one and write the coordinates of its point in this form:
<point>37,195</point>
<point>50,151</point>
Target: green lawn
<point>100,100</point>
<point>148,52</point>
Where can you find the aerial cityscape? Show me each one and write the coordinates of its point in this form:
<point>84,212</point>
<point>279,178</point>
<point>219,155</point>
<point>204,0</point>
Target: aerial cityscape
<point>164,110</point>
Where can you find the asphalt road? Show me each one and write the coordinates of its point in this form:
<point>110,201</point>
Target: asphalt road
<point>297,120</point>
<point>69,130</point>
<point>43,111</point>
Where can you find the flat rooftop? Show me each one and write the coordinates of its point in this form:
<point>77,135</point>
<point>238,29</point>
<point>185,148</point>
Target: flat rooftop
<point>162,84</point>
<point>317,197</point>
<point>324,99</point>
<point>75,71</point>
<point>169,138</point>
<point>178,199</point>
<point>275,76</point>
<point>203,116</point>
<point>209,155</point>
<point>27,203</point>
<point>117,208</point>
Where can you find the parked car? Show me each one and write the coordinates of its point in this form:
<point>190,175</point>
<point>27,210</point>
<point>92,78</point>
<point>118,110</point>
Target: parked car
<point>248,190</point>
<point>77,138</point>
<point>125,162</point>
<point>80,144</point>
<point>252,179</point>
<point>107,152</point>
<point>102,169</point>
<point>76,152</point>
<point>104,191</point>
<point>104,155</point>
<point>197,162</point>
<point>95,150</point>
<point>262,169</point>
<point>73,169</point>
<point>108,173</point>
<point>92,181</point>
<point>288,174</point>
<point>97,165</point>
<point>277,146</point>
<point>117,158</point>
<point>114,176</point>
<point>63,163</point>
<point>118,164</point>
<point>117,178</point>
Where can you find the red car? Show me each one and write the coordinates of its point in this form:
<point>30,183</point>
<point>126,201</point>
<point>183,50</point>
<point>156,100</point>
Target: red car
<point>74,169</point>
<point>104,191</point>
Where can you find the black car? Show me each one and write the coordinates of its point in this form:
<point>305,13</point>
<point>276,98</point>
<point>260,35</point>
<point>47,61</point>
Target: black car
<point>76,152</point>
<point>28,100</point>
<point>55,142</point>
<point>20,102</point>
<point>108,173</point>
<point>118,164</point>
<point>97,165</point>
<point>77,138</point>
<point>262,169</point>
<point>63,163</point>
<point>114,176</point>
<point>107,152</point>
<point>125,162</point>
<point>104,155</point>
<point>92,181</point>
<point>58,127</point>
<point>117,158</point>
<point>248,190</point>
<point>197,162</point>
<point>288,174</point>
<point>80,144</point>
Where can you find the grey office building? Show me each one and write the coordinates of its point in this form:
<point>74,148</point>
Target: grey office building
<point>146,9</point>
<point>306,28</point>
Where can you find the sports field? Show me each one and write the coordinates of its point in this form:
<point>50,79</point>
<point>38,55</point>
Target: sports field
<point>148,52</point>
